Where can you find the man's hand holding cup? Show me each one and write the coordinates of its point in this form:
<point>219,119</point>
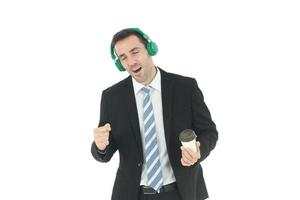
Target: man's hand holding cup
<point>190,149</point>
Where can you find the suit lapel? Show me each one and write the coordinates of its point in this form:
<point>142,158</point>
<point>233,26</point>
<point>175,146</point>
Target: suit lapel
<point>167,102</point>
<point>133,114</point>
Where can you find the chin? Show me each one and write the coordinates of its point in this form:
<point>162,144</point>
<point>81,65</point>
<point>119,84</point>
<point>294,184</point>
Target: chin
<point>139,80</point>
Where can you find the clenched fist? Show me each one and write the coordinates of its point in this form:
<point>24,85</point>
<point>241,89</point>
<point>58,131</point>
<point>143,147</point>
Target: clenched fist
<point>101,136</point>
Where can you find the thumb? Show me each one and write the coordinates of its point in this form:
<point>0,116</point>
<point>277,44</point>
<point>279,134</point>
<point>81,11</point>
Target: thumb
<point>107,126</point>
<point>198,145</point>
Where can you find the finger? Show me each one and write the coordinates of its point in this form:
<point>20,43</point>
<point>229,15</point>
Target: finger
<point>105,143</point>
<point>194,155</point>
<point>107,126</point>
<point>102,138</point>
<point>198,149</point>
<point>104,134</point>
<point>184,163</point>
<point>103,129</point>
<point>198,145</point>
<point>101,141</point>
<point>186,155</point>
<point>189,153</point>
<point>101,135</point>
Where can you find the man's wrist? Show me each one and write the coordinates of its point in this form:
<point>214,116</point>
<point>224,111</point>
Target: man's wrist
<point>101,151</point>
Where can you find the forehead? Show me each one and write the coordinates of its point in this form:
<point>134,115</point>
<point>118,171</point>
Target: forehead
<point>128,43</point>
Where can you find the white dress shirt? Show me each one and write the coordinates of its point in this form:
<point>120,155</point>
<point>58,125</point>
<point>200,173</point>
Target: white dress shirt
<point>155,96</point>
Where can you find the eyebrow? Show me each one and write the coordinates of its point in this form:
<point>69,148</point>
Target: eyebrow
<point>135,48</point>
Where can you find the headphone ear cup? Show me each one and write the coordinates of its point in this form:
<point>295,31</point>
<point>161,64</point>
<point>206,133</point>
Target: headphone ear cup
<point>152,48</point>
<point>119,65</point>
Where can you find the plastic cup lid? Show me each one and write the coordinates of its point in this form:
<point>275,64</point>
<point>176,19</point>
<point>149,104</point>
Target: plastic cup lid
<point>187,135</point>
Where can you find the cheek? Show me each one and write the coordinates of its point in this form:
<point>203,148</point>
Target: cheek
<point>124,63</point>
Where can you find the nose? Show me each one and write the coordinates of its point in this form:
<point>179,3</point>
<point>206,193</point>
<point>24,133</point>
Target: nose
<point>130,61</point>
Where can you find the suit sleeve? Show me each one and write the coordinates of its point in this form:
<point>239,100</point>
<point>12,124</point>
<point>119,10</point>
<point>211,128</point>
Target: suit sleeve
<point>104,118</point>
<point>203,125</point>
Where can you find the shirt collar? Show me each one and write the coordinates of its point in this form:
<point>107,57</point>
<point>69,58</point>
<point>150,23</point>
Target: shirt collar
<point>155,84</point>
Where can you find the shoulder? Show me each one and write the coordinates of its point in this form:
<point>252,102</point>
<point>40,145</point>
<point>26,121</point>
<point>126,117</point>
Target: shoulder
<point>117,87</point>
<point>183,85</point>
<point>178,79</point>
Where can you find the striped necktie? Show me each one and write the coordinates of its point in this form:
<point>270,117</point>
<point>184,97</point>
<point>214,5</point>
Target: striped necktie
<point>154,172</point>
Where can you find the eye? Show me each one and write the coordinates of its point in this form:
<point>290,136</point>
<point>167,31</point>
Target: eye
<point>123,58</point>
<point>135,52</point>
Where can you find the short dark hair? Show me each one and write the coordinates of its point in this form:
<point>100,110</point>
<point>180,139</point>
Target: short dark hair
<point>126,33</point>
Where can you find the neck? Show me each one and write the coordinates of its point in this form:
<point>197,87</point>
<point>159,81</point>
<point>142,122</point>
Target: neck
<point>153,74</point>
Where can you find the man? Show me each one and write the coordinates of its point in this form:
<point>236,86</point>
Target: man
<point>142,117</point>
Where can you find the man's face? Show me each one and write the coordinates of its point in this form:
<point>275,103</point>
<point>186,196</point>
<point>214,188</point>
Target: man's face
<point>135,59</point>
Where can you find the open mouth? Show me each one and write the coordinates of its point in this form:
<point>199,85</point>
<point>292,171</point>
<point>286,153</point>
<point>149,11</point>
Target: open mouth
<point>137,70</point>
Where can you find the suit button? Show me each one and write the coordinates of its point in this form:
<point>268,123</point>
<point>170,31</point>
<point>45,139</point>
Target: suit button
<point>140,164</point>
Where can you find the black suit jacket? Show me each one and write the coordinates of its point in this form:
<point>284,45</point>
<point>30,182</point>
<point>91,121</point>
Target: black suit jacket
<point>183,107</point>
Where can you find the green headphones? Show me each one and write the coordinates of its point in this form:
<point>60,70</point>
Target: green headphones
<point>151,48</point>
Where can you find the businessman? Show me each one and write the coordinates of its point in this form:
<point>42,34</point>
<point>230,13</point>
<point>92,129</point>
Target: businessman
<point>142,116</point>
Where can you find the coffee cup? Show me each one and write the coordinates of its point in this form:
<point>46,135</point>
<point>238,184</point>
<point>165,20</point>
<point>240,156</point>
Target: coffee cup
<point>188,139</point>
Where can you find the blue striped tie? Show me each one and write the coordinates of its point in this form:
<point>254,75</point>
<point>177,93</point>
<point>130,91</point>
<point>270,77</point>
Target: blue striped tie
<point>154,173</point>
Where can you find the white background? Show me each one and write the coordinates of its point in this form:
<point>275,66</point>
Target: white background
<point>55,62</point>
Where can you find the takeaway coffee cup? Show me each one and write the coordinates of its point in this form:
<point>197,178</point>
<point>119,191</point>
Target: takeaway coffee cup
<point>188,139</point>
